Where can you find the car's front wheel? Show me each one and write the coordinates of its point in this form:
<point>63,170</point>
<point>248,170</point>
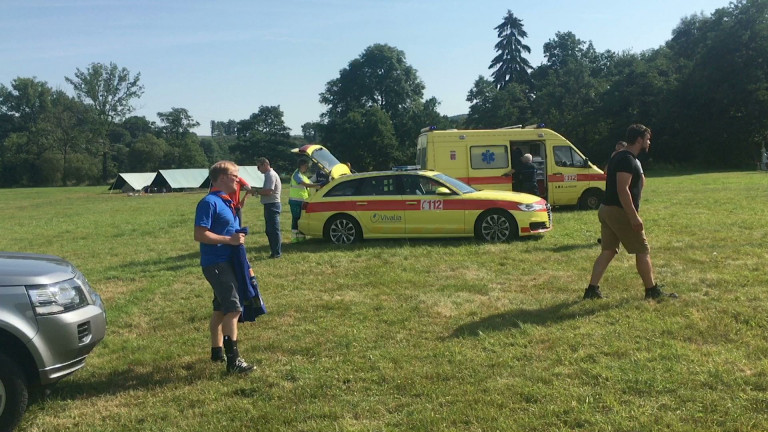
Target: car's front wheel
<point>495,226</point>
<point>343,229</point>
<point>13,393</point>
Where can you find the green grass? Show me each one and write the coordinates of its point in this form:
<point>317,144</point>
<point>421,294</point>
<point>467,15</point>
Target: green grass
<point>448,335</point>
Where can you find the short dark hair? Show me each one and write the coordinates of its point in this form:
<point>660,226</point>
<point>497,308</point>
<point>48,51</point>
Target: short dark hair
<point>636,131</point>
<point>301,162</point>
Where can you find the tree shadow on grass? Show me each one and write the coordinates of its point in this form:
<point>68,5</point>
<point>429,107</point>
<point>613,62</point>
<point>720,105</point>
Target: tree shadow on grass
<point>518,318</point>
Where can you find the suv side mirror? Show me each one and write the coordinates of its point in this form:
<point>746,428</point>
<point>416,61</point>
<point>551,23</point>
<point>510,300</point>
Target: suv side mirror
<point>443,191</point>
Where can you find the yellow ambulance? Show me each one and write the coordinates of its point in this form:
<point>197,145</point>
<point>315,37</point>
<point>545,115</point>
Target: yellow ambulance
<point>483,159</point>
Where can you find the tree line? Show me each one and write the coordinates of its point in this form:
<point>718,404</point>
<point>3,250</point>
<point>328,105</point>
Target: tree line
<point>704,93</point>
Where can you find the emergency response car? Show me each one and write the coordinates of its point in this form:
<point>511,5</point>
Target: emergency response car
<point>483,159</point>
<point>418,204</point>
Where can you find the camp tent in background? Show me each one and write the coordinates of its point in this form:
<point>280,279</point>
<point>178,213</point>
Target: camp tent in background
<point>252,175</point>
<point>132,182</point>
<point>174,180</point>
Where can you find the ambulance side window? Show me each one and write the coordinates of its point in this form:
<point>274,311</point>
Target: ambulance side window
<point>566,157</point>
<point>489,156</point>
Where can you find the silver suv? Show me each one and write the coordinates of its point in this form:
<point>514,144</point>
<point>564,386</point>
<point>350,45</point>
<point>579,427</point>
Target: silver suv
<point>50,320</point>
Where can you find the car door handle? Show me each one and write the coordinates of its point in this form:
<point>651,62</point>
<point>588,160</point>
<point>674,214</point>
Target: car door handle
<point>361,203</point>
<point>557,173</point>
<point>411,202</point>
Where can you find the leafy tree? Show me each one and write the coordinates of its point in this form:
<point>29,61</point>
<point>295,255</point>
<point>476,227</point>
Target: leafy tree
<point>110,90</point>
<point>176,124</point>
<point>138,126</point>
<point>66,130</point>
<point>569,88</point>
<point>148,154</point>
<point>22,105</point>
<point>264,134</point>
<point>220,128</point>
<point>724,95</point>
<point>382,79</point>
<point>510,65</point>
<point>494,108</point>
<point>311,131</point>
<point>365,138</point>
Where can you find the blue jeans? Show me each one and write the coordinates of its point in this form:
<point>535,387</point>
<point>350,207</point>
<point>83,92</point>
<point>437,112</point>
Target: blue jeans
<point>272,222</point>
<point>295,213</point>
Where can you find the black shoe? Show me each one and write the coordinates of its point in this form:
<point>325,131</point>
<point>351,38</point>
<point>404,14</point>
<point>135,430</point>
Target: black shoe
<point>655,292</point>
<point>592,293</point>
<point>217,355</point>
<point>239,366</point>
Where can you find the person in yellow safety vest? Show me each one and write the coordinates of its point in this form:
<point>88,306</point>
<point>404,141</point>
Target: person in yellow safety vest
<point>300,185</point>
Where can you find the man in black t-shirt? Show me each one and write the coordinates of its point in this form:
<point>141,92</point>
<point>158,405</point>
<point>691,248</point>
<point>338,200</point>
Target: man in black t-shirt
<point>620,222</point>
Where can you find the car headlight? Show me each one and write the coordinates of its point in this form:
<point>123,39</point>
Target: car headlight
<point>57,297</point>
<point>532,207</point>
<point>95,297</point>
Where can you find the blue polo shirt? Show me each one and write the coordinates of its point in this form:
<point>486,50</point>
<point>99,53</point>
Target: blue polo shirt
<point>215,213</point>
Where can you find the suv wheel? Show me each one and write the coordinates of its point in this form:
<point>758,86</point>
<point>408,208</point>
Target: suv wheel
<point>13,393</point>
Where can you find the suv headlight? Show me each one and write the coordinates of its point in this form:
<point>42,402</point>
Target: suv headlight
<point>57,297</point>
<point>531,207</point>
<point>95,297</point>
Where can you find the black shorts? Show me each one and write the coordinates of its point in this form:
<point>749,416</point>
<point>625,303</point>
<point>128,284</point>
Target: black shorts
<point>222,278</point>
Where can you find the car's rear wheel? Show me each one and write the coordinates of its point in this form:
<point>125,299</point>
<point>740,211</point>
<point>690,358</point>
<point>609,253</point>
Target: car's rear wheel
<point>343,229</point>
<point>13,393</point>
<point>495,226</point>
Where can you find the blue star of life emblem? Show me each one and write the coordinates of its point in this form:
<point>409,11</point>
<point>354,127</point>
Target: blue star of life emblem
<point>489,157</point>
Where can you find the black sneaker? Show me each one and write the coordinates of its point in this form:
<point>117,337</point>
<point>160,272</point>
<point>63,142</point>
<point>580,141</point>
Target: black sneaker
<point>217,355</point>
<point>239,366</point>
<point>655,292</point>
<point>592,293</point>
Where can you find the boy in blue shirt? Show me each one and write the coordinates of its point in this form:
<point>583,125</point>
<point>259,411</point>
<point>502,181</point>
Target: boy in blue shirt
<point>215,223</point>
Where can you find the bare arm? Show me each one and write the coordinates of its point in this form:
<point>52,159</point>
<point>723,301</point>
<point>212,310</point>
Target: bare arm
<point>262,191</point>
<point>623,179</point>
<point>203,235</point>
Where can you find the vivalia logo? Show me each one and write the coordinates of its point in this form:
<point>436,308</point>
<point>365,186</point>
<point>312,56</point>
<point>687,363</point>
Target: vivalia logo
<point>385,218</point>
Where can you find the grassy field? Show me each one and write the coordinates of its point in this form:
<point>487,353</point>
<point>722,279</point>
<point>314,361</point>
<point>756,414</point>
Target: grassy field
<point>442,335</point>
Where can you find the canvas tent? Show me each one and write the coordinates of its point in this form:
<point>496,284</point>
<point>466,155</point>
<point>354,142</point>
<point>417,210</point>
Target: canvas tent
<point>252,175</point>
<point>180,179</point>
<point>131,182</point>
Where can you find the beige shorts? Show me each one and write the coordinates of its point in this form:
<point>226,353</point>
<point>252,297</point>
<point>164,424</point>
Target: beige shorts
<point>615,228</point>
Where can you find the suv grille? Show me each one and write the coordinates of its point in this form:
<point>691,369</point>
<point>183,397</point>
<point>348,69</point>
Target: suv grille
<point>84,332</point>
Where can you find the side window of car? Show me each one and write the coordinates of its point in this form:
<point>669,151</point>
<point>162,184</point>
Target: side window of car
<point>429,185</point>
<point>411,185</point>
<point>376,186</point>
<point>347,188</point>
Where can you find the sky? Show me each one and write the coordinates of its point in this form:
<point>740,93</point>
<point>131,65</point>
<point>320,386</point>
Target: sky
<point>222,60</point>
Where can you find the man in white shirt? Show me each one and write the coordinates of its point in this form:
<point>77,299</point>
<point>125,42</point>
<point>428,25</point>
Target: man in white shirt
<point>270,198</point>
